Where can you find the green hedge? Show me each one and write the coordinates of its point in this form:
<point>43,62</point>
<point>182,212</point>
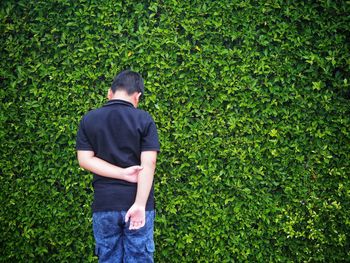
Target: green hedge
<point>251,99</point>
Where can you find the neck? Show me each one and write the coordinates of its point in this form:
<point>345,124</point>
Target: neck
<point>121,95</point>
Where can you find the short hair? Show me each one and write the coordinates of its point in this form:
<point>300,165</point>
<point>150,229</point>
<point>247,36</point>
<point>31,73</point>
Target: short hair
<point>128,81</point>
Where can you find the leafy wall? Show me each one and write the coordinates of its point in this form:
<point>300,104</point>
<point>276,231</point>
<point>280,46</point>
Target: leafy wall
<point>251,99</point>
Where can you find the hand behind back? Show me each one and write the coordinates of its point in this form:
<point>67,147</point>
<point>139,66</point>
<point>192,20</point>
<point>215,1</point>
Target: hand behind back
<point>131,173</point>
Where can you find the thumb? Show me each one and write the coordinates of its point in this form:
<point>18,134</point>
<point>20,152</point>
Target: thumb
<point>136,168</point>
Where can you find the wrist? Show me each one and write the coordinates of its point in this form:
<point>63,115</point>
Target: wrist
<point>139,204</point>
<point>122,173</point>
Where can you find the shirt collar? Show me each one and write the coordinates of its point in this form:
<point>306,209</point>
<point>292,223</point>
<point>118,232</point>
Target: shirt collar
<point>120,102</point>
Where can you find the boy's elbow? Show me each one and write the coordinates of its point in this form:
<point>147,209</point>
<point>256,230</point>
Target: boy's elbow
<point>84,157</point>
<point>150,162</point>
<point>153,162</point>
<point>82,160</point>
<point>149,158</point>
<point>81,163</point>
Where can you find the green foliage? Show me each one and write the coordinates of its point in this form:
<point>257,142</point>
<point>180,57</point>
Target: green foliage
<point>251,99</point>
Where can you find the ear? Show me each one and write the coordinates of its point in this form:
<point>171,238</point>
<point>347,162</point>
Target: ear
<point>136,97</point>
<point>109,94</point>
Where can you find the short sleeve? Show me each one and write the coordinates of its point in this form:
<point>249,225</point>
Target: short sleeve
<point>150,141</point>
<point>82,141</point>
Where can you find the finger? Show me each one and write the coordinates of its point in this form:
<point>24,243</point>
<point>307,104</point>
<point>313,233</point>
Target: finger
<point>143,223</point>
<point>132,226</point>
<point>135,225</point>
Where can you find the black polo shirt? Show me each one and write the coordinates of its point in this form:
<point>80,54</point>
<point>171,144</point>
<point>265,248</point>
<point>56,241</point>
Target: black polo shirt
<point>117,133</point>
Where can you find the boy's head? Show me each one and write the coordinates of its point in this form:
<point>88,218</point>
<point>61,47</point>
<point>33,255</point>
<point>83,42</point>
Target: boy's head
<point>128,81</point>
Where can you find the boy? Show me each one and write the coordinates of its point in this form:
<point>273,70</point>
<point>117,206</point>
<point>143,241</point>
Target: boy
<point>119,144</point>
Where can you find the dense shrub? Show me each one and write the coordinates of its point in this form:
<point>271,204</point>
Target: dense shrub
<point>251,99</point>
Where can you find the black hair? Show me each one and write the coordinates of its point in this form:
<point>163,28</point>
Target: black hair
<point>128,81</point>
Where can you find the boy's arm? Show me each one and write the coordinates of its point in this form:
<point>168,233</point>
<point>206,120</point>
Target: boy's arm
<point>136,213</point>
<point>88,161</point>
